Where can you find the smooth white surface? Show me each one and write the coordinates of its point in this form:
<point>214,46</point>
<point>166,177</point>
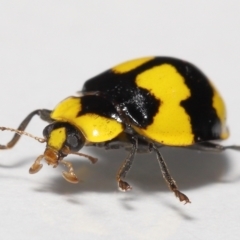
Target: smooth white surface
<point>47,50</point>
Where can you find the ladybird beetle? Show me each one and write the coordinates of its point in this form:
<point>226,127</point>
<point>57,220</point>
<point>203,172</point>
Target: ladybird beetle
<point>140,105</point>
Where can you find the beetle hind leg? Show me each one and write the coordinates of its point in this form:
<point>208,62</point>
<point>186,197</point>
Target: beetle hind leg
<point>122,185</point>
<point>213,147</point>
<point>168,178</point>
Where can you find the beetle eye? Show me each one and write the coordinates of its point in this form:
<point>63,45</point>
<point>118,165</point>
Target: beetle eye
<point>72,141</point>
<point>75,140</point>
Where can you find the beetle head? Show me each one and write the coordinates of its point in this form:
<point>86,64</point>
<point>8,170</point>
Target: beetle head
<point>62,139</point>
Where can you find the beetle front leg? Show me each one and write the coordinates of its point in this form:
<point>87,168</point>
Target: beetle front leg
<point>70,176</point>
<point>36,167</point>
<point>44,114</point>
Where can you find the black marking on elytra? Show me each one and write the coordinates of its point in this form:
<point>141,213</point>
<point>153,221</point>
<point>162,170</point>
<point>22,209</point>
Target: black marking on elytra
<point>141,106</point>
<point>138,104</point>
<point>199,106</point>
<point>97,105</point>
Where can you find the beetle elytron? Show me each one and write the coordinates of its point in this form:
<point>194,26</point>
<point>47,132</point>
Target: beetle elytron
<point>140,105</point>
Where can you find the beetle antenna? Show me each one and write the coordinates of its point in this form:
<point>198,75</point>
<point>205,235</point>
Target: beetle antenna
<point>19,132</point>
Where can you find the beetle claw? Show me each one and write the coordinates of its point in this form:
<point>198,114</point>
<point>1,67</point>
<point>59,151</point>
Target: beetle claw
<point>124,186</point>
<point>182,197</point>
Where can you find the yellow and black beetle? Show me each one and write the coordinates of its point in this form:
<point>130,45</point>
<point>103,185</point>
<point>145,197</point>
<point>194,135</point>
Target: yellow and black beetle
<point>140,105</point>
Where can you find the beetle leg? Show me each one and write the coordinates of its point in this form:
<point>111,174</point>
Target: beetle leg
<point>124,186</point>
<point>70,176</point>
<point>36,165</point>
<point>168,178</point>
<point>212,147</point>
<point>44,114</point>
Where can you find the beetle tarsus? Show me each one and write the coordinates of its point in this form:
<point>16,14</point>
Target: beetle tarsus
<point>36,167</point>
<point>70,176</point>
<point>182,197</point>
<point>124,186</point>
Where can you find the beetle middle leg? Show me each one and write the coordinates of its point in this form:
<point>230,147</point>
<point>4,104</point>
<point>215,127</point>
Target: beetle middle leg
<point>124,186</point>
<point>168,178</point>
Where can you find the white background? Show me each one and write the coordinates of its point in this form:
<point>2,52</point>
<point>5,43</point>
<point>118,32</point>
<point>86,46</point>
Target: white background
<point>47,50</point>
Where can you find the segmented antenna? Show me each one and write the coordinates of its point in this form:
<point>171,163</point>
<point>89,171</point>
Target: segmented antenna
<point>19,132</point>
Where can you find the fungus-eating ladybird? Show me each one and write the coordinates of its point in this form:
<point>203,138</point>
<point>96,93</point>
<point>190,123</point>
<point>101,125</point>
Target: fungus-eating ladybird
<point>140,105</point>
